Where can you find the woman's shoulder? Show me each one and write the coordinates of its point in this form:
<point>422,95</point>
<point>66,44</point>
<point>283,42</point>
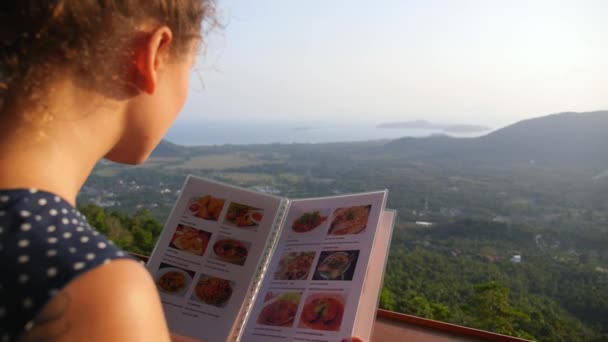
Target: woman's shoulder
<point>45,244</point>
<point>102,305</point>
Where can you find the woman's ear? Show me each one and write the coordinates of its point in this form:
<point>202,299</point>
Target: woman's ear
<point>150,53</point>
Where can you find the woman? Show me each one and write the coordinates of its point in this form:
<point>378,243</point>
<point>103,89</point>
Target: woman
<point>80,81</point>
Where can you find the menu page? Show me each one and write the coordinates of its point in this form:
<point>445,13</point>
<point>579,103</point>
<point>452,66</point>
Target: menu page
<point>315,277</point>
<point>207,256</point>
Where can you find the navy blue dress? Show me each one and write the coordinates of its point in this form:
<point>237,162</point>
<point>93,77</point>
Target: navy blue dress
<point>44,244</point>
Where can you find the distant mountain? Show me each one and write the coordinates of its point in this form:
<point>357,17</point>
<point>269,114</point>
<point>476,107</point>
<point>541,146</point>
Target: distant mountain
<point>563,138</point>
<point>464,128</point>
<point>423,124</point>
<point>168,149</point>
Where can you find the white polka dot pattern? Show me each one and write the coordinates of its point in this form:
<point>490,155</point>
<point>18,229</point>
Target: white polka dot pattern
<point>44,244</point>
<point>29,325</point>
<point>51,272</point>
<point>23,259</point>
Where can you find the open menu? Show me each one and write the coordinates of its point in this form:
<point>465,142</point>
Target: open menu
<point>238,265</point>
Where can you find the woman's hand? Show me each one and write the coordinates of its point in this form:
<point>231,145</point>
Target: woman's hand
<point>352,339</point>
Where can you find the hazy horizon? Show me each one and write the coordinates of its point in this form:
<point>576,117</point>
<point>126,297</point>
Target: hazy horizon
<point>471,62</point>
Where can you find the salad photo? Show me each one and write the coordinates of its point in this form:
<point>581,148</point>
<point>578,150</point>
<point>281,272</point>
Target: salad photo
<point>243,216</point>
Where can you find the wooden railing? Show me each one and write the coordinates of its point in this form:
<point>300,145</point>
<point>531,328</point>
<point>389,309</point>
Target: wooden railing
<point>429,330</point>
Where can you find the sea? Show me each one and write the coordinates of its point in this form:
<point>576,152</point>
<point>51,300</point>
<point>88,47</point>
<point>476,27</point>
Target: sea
<point>248,132</point>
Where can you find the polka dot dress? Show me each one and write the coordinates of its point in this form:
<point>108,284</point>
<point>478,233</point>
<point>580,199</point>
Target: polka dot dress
<point>44,244</point>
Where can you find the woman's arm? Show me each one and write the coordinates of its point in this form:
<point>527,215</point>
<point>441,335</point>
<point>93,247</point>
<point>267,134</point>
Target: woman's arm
<point>114,302</point>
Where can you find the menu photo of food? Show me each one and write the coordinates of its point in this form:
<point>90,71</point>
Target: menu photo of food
<point>213,290</point>
<point>231,250</point>
<point>309,221</point>
<point>173,280</point>
<point>279,309</point>
<point>243,216</point>
<point>205,207</point>
<point>336,265</point>
<point>350,220</point>
<point>294,266</point>
<point>190,240</point>
<point>322,311</point>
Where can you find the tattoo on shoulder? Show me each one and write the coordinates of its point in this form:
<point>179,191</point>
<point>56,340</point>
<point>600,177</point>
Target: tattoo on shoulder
<point>50,324</point>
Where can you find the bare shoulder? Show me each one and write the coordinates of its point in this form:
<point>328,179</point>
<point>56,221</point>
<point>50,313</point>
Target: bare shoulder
<point>113,302</point>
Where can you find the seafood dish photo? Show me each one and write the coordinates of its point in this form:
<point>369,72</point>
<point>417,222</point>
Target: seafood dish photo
<point>213,291</point>
<point>351,220</point>
<point>322,312</point>
<point>335,265</point>
<point>230,250</point>
<point>190,240</point>
<point>241,215</point>
<point>308,221</point>
<point>294,266</point>
<point>280,311</point>
<point>206,207</point>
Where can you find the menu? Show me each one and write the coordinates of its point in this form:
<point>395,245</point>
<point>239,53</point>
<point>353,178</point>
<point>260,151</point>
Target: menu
<point>238,265</point>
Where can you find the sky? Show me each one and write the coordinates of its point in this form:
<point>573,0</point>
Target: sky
<point>455,61</point>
